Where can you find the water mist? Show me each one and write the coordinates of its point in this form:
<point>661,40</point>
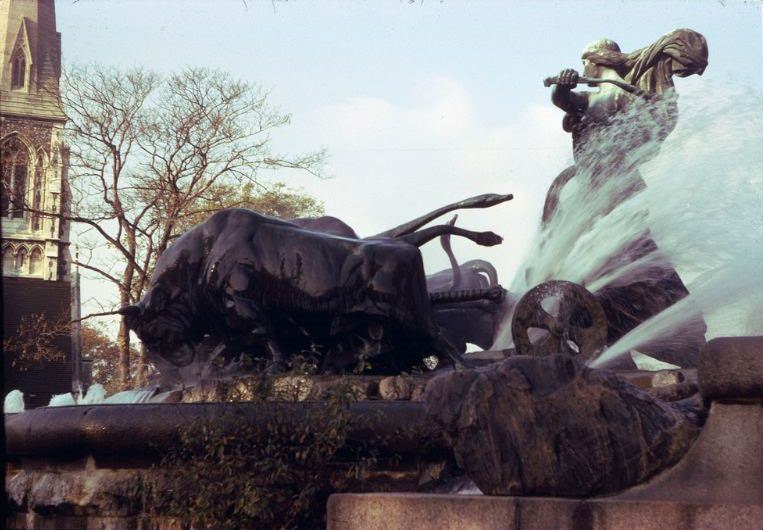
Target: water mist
<point>702,205</point>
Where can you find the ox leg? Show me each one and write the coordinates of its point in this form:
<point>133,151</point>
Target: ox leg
<point>278,361</point>
<point>450,352</point>
<point>360,341</point>
<point>486,239</point>
<point>249,320</point>
<point>444,349</point>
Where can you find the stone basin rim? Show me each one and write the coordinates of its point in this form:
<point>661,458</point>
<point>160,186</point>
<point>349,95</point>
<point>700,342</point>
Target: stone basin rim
<point>115,429</point>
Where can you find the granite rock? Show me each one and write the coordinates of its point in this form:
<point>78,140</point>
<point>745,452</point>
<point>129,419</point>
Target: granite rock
<point>395,388</point>
<point>550,426</point>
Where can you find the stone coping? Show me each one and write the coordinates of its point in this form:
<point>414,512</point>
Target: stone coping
<point>142,430</point>
<point>732,368</point>
<point>411,511</point>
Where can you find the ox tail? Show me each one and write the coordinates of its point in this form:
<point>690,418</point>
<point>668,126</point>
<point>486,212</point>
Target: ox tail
<point>495,293</point>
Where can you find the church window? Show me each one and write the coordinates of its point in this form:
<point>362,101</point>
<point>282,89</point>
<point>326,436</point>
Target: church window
<point>13,166</point>
<point>7,259</point>
<point>35,262</point>
<point>20,263</point>
<point>37,190</point>
<point>18,70</point>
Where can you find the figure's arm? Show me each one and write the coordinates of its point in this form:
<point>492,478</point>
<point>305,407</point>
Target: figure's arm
<point>563,97</point>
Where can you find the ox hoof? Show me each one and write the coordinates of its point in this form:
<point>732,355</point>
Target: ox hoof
<point>275,368</point>
<point>375,331</point>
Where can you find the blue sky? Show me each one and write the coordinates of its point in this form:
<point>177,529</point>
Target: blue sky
<point>417,104</point>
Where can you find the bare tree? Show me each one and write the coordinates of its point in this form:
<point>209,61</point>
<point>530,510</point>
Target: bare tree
<point>36,340</point>
<point>101,348</point>
<point>276,201</point>
<point>150,153</point>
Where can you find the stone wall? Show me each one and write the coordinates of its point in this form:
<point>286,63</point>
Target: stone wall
<point>38,132</point>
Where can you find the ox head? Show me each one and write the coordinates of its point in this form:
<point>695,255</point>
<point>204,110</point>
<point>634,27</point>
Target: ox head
<point>163,320</point>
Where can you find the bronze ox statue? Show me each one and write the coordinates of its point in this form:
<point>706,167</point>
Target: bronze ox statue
<point>470,305</point>
<point>244,283</point>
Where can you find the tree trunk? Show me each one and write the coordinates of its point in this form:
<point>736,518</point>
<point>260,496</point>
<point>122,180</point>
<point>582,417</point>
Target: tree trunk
<point>123,343</point>
<point>123,338</point>
<point>141,379</point>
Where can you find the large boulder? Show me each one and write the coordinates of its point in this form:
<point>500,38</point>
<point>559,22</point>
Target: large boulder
<point>550,426</point>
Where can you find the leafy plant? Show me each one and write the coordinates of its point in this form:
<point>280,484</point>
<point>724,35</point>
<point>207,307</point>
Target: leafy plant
<point>277,473</point>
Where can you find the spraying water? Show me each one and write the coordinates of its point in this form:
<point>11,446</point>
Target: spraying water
<point>62,400</point>
<point>140,395</point>
<point>95,394</point>
<point>705,194</point>
<point>14,402</point>
<point>701,205</point>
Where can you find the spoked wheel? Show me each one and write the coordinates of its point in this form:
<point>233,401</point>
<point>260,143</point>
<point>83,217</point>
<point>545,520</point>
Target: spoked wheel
<point>559,317</point>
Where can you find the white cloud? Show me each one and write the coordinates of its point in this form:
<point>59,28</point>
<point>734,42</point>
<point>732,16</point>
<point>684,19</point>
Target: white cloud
<point>392,161</point>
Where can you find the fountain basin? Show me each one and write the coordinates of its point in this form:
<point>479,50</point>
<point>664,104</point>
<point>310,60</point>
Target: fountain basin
<point>77,466</point>
<point>83,466</point>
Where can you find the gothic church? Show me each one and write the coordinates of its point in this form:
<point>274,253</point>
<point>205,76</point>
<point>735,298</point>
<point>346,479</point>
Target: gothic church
<point>35,244</point>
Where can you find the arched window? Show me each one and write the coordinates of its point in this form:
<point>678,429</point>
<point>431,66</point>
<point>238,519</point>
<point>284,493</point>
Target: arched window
<point>13,166</point>
<point>7,259</point>
<point>18,70</point>
<point>20,262</point>
<point>35,262</point>
<point>37,190</point>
